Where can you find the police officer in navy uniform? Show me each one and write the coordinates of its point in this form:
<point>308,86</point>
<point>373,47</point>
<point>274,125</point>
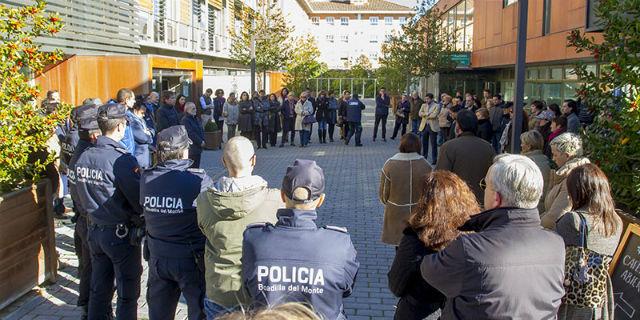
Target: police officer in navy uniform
<point>107,181</point>
<point>294,260</point>
<point>175,242</point>
<point>354,118</point>
<point>86,122</point>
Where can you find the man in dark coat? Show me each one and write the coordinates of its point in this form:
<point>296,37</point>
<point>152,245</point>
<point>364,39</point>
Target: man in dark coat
<point>495,115</point>
<point>383,103</point>
<point>354,118</point>
<point>467,155</point>
<point>166,115</point>
<point>507,267</point>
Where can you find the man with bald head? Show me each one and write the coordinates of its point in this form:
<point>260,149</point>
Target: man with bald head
<point>224,211</point>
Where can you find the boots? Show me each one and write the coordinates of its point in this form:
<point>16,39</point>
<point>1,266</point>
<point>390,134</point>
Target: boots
<point>324,135</point>
<point>319,135</point>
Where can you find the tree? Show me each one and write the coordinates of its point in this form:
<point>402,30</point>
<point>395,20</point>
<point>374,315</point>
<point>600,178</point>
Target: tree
<point>421,49</point>
<point>361,67</point>
<point>25,126</point>
<point>613,95</point>
<point>304,63</point>
<point>269,28</point>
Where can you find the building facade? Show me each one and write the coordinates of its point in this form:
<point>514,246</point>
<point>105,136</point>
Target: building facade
<point>345,30</point>
<point>486,32</point>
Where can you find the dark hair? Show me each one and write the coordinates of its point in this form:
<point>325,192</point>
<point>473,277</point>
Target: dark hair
<point>243,93</point>
<point>409,143</point>
<point>467,121</point>
<point>166,95</point>
<point>274,96</point>
<point>589,188</point>
<point>538,104</point>
<point>497,95</point>
<point>487,91</point>
<point>445,205</point>
<point>429,95</point>
<point>109,125</point>
<point>573,105</point>
<point>86,134</point>
<point>124,94</point>
<point>330,92</point>
<point>555,108</point>
<point>208,90</point>
<point>50,93</point>
<point>139,105</point>
<point>281,92</point>
<point>219,91</point>
<point>560,121</point>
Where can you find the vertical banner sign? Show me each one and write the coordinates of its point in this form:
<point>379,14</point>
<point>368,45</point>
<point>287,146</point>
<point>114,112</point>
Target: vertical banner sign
<point>625,275</point>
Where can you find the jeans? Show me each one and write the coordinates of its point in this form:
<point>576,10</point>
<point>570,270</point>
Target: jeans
<point>213,310</point>
<point>304,137</point>
<point>430,137</point>
<point>380,118</point>
<point>396,128</point>
<point>415,124</point>
<point>355,128</point>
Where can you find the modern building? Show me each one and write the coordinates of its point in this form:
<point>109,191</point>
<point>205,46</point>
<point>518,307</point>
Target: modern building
<point>344,29</point>
<point>486,32</point>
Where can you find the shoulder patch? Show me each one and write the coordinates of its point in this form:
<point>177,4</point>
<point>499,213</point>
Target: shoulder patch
<point>196,170</point>
<point>122,150</point>
<point>334,228</point>
<point>257,225</point>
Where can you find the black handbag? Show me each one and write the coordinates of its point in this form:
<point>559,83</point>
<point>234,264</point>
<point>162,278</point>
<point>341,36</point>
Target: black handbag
<point>309,119</point>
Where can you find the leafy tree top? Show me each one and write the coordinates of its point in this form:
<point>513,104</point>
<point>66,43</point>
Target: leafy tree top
<point>304,63</point>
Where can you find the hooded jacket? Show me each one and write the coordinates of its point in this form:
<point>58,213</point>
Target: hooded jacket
<point>224,212</point>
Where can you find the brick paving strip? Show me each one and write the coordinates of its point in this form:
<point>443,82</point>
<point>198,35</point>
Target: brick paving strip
<point>352,177</point>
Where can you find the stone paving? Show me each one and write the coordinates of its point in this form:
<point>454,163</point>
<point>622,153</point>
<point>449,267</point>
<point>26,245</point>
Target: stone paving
<point>352,177</point>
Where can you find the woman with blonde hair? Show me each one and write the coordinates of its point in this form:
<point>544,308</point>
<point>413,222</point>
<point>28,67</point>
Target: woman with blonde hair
<point>445,205</point>
<point>532,143</point>
<point>285,311</point>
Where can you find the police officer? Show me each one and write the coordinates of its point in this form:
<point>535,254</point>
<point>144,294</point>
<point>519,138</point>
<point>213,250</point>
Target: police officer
<point>295,260</point>
<point>354,118</point>
<point>107,182</point>
<point>86,122</point>
<point>175,242</point>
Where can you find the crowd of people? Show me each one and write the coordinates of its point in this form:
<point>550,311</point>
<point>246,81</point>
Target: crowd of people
<point>476,235</point>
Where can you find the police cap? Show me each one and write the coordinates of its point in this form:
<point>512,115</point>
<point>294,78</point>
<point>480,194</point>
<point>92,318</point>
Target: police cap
<point>112,111</point>
<point>87,117</point>
<point>304,174</point>
<point>173,138</point>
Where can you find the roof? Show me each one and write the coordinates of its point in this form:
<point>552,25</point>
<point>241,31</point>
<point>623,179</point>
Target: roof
<point>368,6</point>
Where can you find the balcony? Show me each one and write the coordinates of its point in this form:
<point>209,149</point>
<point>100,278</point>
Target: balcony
<point>169,34</point>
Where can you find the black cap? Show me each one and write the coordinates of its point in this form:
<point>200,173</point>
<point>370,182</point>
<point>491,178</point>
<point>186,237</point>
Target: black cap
<point>112,111</point>
<point>173,138</point>
<point>304,174</point>
<point>87,117</point>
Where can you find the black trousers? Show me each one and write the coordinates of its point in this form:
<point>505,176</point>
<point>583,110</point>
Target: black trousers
<point>331,128</point>
<point>112,259</point>
<point>355,128</point>
<point>261,134</point>
<point>288,129</point>
<point>273,138</point>
<point>170,277</point>
<point>81,240</point>
<point>380,119</point>
<point>396,128</point>
<point>430,137</point>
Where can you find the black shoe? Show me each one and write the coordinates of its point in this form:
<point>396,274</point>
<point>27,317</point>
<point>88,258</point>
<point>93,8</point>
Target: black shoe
<point>358,144</point>
<point>393,138</point>
<point>264,147</point>
<point>374,139</point>
<point>293,144</point>
<point>258,147</point>
<point>282,145</point>
<point>384,140</point>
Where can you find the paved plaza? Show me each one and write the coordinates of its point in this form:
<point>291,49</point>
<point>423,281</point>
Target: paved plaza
<point>352,177</point>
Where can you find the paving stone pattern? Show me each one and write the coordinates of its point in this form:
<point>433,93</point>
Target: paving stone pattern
<point>352,178</point>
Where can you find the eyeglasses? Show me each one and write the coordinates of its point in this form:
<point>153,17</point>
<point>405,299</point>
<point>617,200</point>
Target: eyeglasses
<point>483,184</point>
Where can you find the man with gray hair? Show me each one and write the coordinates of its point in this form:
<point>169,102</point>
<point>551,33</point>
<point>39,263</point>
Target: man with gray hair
<point>224,211</point>
<point>508,266</point>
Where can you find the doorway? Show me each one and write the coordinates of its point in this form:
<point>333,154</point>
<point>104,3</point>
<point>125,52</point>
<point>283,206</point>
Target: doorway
<point>178,81</point>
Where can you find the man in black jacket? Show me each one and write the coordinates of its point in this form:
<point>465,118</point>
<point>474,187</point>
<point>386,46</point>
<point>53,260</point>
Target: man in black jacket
<point>508,267</point>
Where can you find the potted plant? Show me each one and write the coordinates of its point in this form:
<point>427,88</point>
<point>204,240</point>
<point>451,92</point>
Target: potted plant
<point>27,245</point>
<point>212,136</point>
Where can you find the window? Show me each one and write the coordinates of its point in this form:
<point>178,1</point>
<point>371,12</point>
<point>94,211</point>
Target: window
<point>593,22</point>
<point>344,38</point>
<point>344,21</point>
<point>329,38</point>
<point>373,38</point>
<point>315,20</point>
<point>373,56</point>
<point>211,27</point>
<point>388,20</point>
<point>402,20</point>
<point>546,18</point>
<point>373,21</point>
<point>506,3</point>
<point>329,20</point>
<point>457,23</point>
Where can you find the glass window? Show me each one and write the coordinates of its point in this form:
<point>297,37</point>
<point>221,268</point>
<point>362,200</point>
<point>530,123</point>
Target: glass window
<point>570,89</point>
<point>344,38</point>
<point>506,3</point>
<point>570,74</point>
<point>552,92</point>
<point>373,55</point>
<point>532,74</point>
<point>402,20</point>
<point>315,20</point>
<point>507,90</point>
<point>592,68</point>
<point>329,38</point>
<point>344,21</point>
<point>468,35</point>
<point>556,74</point>
<point>388,20</point>
<point>546,18</point>
<point>460,15</point>
<point>469,12</point>
<point>373,38</point>
<point>329,20</point>
<point>373,21</point>
<point>593,23</point>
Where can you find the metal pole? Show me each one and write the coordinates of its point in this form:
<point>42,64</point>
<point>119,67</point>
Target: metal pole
<point>518,99</point>
<point>253,65</point>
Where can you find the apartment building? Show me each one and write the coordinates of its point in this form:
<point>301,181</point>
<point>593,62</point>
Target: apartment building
<point>345,30</point>
<point>486,32</point>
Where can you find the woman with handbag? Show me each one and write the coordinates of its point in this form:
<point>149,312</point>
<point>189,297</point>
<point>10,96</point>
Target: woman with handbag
<point>591,232</point>
<point>304,118</point>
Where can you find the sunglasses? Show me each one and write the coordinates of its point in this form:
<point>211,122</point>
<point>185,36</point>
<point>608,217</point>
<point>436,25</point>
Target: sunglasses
<point>483,184</point>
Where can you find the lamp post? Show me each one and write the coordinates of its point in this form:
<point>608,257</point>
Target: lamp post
<point>253,63</point>
<point>518,98</point>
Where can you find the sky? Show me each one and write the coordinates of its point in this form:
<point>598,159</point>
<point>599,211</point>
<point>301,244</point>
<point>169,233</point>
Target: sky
<point>408,3</point>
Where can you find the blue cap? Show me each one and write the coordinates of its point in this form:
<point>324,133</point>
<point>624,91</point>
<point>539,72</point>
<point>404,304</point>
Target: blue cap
<point>87,117</point>
<point>112,111</point>
<point>304,174</point>
<point>173,138</point>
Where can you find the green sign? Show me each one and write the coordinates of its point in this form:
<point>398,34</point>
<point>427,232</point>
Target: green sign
<point>463,59</point>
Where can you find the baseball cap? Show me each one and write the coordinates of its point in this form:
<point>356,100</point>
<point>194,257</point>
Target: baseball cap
<point>304,174</point>
<point>112,111</point>
<point>173,138</point>
<point>87,117</point>
<point>546,115</point>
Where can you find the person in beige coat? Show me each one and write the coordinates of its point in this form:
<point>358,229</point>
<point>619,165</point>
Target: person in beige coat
<point>532,144</point>
<point>401,187</point>
<point>429,126</point>
<point>567,154</point>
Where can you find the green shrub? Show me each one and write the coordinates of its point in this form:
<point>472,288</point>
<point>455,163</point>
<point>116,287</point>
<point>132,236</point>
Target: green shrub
<point>211,126</point>
<point>25,126</point>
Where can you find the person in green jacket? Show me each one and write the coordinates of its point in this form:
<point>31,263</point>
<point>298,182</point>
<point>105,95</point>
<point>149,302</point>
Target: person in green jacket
<point>224,211</point>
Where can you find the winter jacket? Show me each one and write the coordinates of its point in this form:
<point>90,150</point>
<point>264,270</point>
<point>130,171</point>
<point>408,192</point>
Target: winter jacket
<point>469,157</point>
<point>231,112</point>
<point>507,268</point>
<point>224,212</point>
<point>261,117</point>
<point>382,105</point>
<point>354,110</point>
<point>245,119</point>
<point>573,123</point>
<point>496,115</point>
<point>543,163</point>
<point>484,130</point>
<point>303,110</point>
<point>405,109</point>
<point>322,110</point>
<point>166,116</point>
<point>274,116</point>
<point>143,139</point>
<point>400,189</point>
<point>195,132</point>
<point>415,108</point>
<point>418,298</point>
<point>557,202</point>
